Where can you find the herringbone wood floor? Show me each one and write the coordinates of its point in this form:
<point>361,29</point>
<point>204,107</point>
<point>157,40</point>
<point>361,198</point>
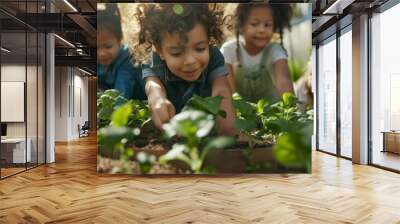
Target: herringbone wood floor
<point>70,191</point>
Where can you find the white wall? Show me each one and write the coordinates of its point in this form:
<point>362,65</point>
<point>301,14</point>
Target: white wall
<point>10,73</point>
<point>61,103</point>
<point>71,94</point>
<point>33,127</point>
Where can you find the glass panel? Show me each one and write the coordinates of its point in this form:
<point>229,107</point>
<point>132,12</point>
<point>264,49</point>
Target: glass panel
<point>41,99</point>
<point>31,97</point>
<point>327,96</point>
<point>385,85</point>
<point>22,79</point>
<point>32,86</point>
<point>346,94</point>
<point>13,86</point>
<point>313,76</point>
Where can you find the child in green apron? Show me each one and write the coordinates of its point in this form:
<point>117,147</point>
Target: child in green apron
<point>257,67</point>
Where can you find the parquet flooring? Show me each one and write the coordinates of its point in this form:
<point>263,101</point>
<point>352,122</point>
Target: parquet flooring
<point>70,191</point>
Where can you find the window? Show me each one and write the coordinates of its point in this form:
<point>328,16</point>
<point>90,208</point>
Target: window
<point>385,88</point>
<point>346,75</point>
<point>327,96</point>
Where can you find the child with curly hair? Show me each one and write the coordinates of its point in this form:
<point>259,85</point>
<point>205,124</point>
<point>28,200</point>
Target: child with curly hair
<point>257,67</point>
<point>115,64</point>
<point>185,61</point>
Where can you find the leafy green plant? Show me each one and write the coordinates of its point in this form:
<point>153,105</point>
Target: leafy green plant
<point>193,127</point>
<point>118,133</point>
<point>111,100</point>
<point>246,121</point>
<point>293,147</point>
<point>293,130</point>
<point>284,122</point>
<point>287,110</point>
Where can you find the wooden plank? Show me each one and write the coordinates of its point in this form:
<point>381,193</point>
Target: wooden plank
<point>70,191</point>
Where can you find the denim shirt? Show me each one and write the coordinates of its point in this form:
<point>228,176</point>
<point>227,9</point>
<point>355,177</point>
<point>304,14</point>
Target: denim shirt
<point>122,76</point>
<point>180,91</point>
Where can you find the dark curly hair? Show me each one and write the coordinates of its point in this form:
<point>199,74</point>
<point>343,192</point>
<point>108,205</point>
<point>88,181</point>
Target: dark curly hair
<point>282,14</point>
<point>155,20</point>
<point>109,18</point>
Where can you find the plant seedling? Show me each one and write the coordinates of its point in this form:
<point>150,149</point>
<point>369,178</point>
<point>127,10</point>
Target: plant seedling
<point>193,126</point>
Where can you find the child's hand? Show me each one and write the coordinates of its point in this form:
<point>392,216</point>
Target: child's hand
<point>162,110</point>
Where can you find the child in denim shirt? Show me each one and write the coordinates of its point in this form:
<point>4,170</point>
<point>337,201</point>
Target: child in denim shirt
<point>115,68</point>
<point>185,62</point>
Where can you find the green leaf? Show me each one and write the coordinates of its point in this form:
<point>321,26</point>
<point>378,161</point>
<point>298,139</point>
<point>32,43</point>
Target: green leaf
<point>286,150</point>
<point>208,104</point>
<point>244,108</point>
<point>112,93</point>
<point>190,124</point>
<point>144,167</point>
<point>289,99</point>
<point>176,153</point>
<point>121,115</point>
<point>119,100</point>
<point>261,104</point>
<point>111,136</point>
<point>205,127</point>
<point>245,125</point>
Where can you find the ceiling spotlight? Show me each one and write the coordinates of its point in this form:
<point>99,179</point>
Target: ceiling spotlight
<point>337,7</point>
<point>5,50</point>
<point>70,5</point>
<point>86,72</point>
<point>64,40</point>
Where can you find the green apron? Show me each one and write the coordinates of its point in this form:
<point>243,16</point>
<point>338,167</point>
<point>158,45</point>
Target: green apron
<point>256,82</point>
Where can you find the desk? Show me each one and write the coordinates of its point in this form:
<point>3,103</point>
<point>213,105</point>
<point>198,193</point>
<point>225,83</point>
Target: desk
<point>16,148</point>
<point>391,141</point>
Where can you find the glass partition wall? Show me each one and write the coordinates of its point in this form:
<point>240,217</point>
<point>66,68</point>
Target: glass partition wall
<point>22,92</point>
<point>326,101</point>
<point>346,92</point>
<point>334,94</point>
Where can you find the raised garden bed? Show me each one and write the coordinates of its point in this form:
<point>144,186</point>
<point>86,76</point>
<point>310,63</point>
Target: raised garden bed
<point>225,161</point>
<point>129,141</point>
